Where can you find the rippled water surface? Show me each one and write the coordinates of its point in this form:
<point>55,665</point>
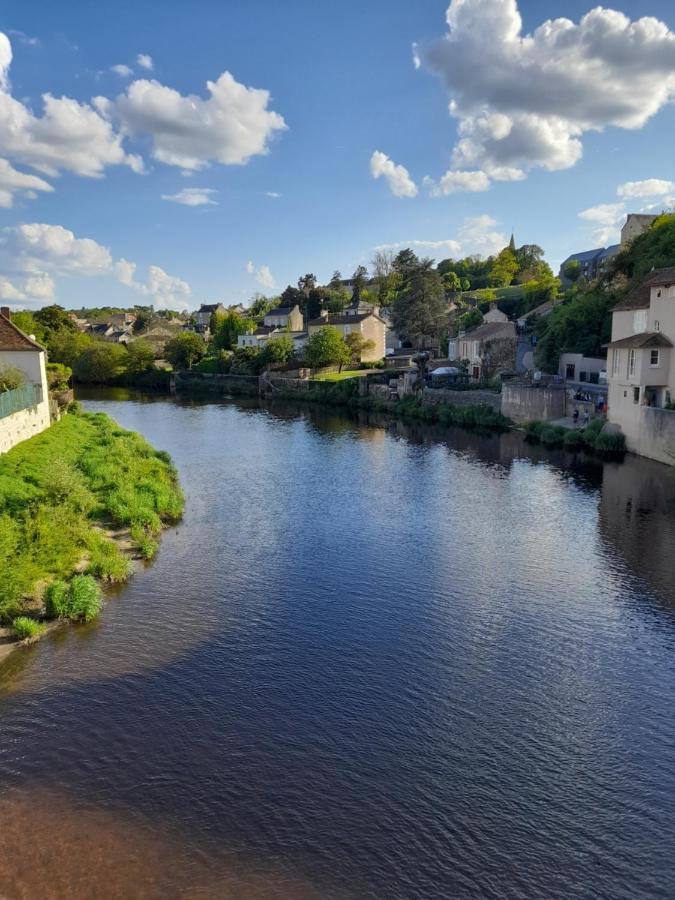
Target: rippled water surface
<point>372,662</point>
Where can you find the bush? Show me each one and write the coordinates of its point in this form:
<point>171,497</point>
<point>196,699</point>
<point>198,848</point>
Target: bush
<point>534,429</point>
<point>58,376</point>
<point>11,378</point>
<point>79,600</point>
<point>552,435</point>
<point>27,629</point>
<point>610,442</point>
<point>592,431</point>
<point>573,438</point>
<point>107,562</point>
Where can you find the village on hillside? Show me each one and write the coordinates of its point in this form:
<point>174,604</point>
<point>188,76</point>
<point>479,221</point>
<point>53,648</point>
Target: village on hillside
<point>591,343</point>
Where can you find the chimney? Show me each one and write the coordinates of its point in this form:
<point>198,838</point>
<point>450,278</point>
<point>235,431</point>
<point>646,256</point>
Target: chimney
<point>5,311</point>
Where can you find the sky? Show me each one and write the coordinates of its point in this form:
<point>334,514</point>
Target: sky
<point>207,151</point>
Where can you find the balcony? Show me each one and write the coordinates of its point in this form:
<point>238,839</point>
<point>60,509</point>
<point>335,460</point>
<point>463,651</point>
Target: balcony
<point>21,398</point>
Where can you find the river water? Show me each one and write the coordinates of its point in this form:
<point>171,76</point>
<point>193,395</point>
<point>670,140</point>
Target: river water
<point>373,661</point>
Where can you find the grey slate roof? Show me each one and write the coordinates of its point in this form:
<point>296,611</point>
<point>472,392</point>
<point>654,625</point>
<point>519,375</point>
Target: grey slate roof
<point>642,341</point>
<point>638,297</point>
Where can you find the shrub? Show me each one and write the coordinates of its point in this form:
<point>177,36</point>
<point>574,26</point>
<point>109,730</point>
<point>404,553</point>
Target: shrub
<point>58,376</point>
<point>552,435</point>
<point>107,562</point>
<point>573,438</point>
<point>610,442</point>
<point>11,378</point>
<point>534,429</point>
<point>27,629</point>
<point>81,599</point>
<point>591,432</point>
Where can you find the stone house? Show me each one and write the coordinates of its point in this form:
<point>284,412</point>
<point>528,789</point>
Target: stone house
<point>641,366</point>
<point>288,317</point>
<point>24,412</point>
<point>368,324</point>
<point>635,225</point>
<point>202,318</point>
<point>490,348</point>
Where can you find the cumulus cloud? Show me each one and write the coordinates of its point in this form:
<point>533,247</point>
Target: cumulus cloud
<point>526,100</point>
<point>476,236</point>
<point>145,61</point>
<point>230,126</point>
<point>398,178</point>
<point>263,275</point>
<point>192,197</point>
<point>458,181</point>
<point>650,187</point>
<point>607,219</point>
<point>36,254</point>
<point>233,124</point>
<point>13,183</point>
<point>273,194</point>
<point>122,70</point>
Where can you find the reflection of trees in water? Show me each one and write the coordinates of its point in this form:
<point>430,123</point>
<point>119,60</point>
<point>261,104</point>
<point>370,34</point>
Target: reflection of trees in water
<point>637,515</point>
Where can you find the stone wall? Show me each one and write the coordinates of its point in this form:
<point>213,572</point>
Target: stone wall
<point>525,403</point>
<point>656,436</point>
<point>217,384</point>
<point>463,398</point>
<point>20,426</point>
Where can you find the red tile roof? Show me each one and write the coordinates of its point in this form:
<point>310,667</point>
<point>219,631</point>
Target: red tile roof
<point>12,338</point>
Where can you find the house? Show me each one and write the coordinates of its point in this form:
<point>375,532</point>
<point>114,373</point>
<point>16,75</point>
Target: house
<point>635,225</point>
<point>24,412</point>
<point>490,349</point>
<point>113,334</point>
<point>288,317</point>
<point>606,256</point>
<point>588,264</point>
<point>264,333</point>
<point>577,367</point>
<point>368,324</point>
<point>202,318</point>
<point>641,366</point>
<point>542,310</point>
<point>494,314</point>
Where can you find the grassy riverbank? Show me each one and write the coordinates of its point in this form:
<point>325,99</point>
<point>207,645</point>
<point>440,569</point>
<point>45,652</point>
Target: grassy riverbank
<point>71,498</point>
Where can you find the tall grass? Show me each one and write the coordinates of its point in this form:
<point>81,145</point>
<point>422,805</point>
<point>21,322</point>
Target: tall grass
<point>58,487</point>
<point>78,601</point>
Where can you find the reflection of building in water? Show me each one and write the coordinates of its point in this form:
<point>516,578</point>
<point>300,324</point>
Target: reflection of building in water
<point>637,514</point>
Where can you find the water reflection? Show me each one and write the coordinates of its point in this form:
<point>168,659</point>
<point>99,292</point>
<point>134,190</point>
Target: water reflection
<point>375,660</point>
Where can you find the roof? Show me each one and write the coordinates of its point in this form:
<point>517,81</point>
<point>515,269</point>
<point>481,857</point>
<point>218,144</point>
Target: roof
<point>639,296</point>
<point>12,338</point>
<point>280,311</point>
<point>262,330</point>
<point>344,320</point>
<point>585,255</point>
<point>609,251</point>
<point>490,331</point>
<point>646,339</point>
<point>210,307</point>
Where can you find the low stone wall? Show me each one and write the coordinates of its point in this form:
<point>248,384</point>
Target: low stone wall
<point>463,398</point>
<point>270,384</point>
<point>525,403</point>
<point>24,424</point>
<point>656,436</point>
<point>217,384</point>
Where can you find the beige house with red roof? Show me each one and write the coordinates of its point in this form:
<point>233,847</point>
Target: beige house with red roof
<point>24,412</point>
<point>641,367</point>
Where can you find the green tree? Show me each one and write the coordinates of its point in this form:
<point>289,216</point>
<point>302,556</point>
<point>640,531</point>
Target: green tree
<point>278,349</point>
<point>580,325</point>
<point>66,346</point>
<point>418,312</point>
<point>11,378</point>
<point>472,318</point>
<point>227,327</point>
<point>359,279</point>
<point>27,322</point>
<point>452,282</point>
<point>247,361</point>
<point>184,350</point>
<point>358,345</point>
<point>335,282</point>
<point>572,270</point>
<point>531,263</point>
<point>306,283</point>
<point>54,318</point>
<point>260,306</point>
<point>140,357</point>
<point>326,347</point>
<point>503,269</point>
<point>101,363</point>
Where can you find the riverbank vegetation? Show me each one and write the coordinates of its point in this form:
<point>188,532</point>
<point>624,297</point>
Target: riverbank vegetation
<point>594,437</point>
<point>68,497</point>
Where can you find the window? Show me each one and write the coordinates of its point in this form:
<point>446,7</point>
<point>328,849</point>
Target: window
<point>657,325</point>
<point>639,321</point>
<point>631,363</point>
<point>636,395</point>
<point>476,348</point>
<point>615,362</point>
<point>570,371</point>
<point>654,358</point>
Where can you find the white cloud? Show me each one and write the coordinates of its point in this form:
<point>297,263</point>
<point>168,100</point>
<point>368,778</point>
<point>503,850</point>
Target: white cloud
<point>192,197</point>
<point>122,70</point>
<point>263,275</point>
<point>36,254</point>
<point>273,194</point>
<point>475,237</point>
<point>13,183</point>
<point>607,219</point>
<point>145,61</point>
<point>526,100</point>
<point>458,181</point>
<point>398,178</point>
<point>651,187</point>
<point>229,127</point>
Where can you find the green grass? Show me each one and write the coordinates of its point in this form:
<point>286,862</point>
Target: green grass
<point>57,488</point>
<point>340,376</point>
<point>27,629</point>
<point>78,601</point>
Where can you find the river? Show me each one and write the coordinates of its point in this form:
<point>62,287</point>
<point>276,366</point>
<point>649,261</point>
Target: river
<point>373,661</point>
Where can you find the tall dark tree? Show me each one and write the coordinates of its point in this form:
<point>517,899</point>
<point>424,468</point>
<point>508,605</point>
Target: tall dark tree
<point>306,283</point>
<point>418,312</point>
<point>335,281</point>
<point>359,279</point>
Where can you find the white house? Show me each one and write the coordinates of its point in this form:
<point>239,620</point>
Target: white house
<point>641,367</point>
<point>24,412</point>
<point>284,317</point>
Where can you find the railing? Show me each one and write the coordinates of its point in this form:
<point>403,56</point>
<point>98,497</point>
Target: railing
<point>21,398</point>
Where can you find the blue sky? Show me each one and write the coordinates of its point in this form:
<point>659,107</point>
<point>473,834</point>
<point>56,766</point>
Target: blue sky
<point>343,79</point>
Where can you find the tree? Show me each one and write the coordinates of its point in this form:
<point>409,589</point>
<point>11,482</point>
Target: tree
<point>143,320</point>
<point>335,282</point>
<point>278,349</point>
<point>359,279</point>
<point>184,350</point>
<point>140,357</point>
<point>326,347</point>
<point>247,361</point>
<point>503,269</point>
<point>27,322</point>
<point>531,264</point>
<point>465,284</point>
<point>292,296</point>
<point>11,378</point>
<point>260,306</point>
<point>54,318</point>
<point>358,345</point>
<point>227,327</point>
<point>306,283</point>
<point>572,270</point>
<point>418,311</point>
<point>581,325</point>
<point>66,346</point>
<point>452,282</point>
<point>472,318</point>
<point>101,363</point>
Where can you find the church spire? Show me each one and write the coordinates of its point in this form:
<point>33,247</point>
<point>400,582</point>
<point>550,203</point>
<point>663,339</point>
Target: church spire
<point>512,243</point>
